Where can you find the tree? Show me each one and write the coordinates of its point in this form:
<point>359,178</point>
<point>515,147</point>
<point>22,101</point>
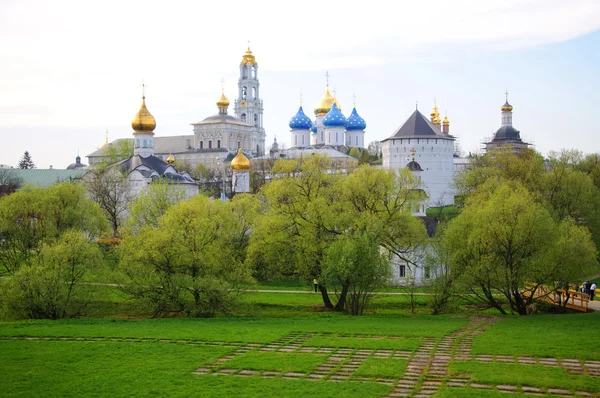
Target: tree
<point>9,181</point>
<point>26,162</point>
<point>190,262</point>
<point>506,243</point>
<point>32,218</point>
<point>49,288</point>
<point>111,189</point>
<point>152,203</point>
<point>365,158</point>
<point>117,151</point>
<point>356,262</point>
<point>374,149</point>
<point>354,152</point>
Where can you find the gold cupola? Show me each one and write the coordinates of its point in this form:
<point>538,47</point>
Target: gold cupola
<point>326,103</point>
<point>171,158</point>
<point>143,122</point>
<point>240,162</point>
<point>507,107</point>
<point>223,102</point>
<point>248,58</point>
<point>446,122</point>
<point>435,115</point>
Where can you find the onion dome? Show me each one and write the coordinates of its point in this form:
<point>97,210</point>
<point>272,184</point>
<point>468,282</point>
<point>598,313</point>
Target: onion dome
<point>313,128</point>
<point>446,122</point>
<point>325,103</point>
<point>334,118</point>
<point>143,122</point>
<point>170,159</point>
<point>223,102</point>
<point>507,107</point>
<point>300,121</point>
<point>77,164</point>
<point>355,122</point>
<point>240,162</point>
<point>248,58</point>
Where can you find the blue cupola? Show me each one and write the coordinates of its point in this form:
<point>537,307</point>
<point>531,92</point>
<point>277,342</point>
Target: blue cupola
<point>313,128</point>
<point>334,118</point>
<point>355,122</point>
<point>300,121</point>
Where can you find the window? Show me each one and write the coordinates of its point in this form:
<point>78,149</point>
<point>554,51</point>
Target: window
<point>201,144</point>
<point>244,117</point>
<point>245,72</point>
<point>295,140</point>
<point>329,137</point>
<point>303,139</point>
<point>402,271</point>
<point>188,144</point>
<point>253,92</point>
<point>356,140</point>
<point>239,144</point>
<point>209,144</point>
<point>137,143</point>
<point>336,137</point>
<point>145,144</point>
<point>255,120</point>
<point>218,143</point>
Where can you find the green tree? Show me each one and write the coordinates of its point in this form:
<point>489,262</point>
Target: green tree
<point>504,242</point>
<point>49,287</point>
<point>117,151</point>
<point>190,262</point>
<point>26,162</point>
<point>9,181</point>
<point>365,158</point>
<point>356,262</point>
<point>31,218</point>
<point>355,153</point>
<point>152,203</point>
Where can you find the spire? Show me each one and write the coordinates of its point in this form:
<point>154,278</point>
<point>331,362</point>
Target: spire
<point>506,112</point>
<point>223,102</point>
<point>446,125</point>
<point>248,58</point>
<point>143,122</point>
<point>171,159</point>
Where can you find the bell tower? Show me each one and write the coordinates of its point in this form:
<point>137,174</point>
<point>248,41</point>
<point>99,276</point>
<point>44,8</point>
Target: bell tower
<point>248,105</point>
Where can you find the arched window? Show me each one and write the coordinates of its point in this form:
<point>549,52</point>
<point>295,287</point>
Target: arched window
<point>145,144</point>
<point>137,143</point>
<point>245,72</point>
<point>253,71</point>
<point>244,92</point>
<point>255,120</point>
<point>295,140</point>
<point>243,117</point>
<point>253,92</point>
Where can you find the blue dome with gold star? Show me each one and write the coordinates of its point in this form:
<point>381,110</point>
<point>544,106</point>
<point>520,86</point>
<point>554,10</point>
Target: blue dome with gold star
<point>355,122</point>
<point>334,118</point>
<point>300,121</point>
<point>313,128</point>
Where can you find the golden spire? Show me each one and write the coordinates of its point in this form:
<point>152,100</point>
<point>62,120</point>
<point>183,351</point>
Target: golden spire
<point>240,162</point>
<point>506,107</point>
<point>248,57</point>
<point>435,114</point>
<point>170,159</point>
<point>446,121</point>
<point>223,102</point>
<point>105,144</point>
<point>143,122</point>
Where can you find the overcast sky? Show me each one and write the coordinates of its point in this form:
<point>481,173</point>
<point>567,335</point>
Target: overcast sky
<point>70,70</point>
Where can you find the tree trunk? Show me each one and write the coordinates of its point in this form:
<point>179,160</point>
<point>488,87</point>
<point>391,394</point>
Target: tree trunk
<point>339,306</point>
<point>326,301</point>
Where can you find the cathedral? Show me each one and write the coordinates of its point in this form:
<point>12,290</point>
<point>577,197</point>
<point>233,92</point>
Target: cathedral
<point>216,138</point>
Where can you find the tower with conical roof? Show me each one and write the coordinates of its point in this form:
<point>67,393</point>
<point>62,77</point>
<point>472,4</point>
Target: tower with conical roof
<point>241,173</point>
<point>248,106</point>
<point>143,125</point>
<point>507,136</point>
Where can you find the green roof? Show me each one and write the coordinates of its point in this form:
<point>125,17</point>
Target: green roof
<point>43,178</point>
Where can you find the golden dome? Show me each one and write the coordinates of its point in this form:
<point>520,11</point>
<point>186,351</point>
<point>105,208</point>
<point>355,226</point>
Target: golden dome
<point>507,107</point>
<point>240,162</point>
<point>223,102</point>
<point>326,103</point>
<point>248,58</point>
<point>170,159</point>
<point>435,114</point>
<point>446,121</point>
<point>143,122</point>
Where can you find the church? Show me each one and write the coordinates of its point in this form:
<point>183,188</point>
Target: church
<point>215,138</point>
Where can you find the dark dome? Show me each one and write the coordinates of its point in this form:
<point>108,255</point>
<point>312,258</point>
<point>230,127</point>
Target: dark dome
<point>507,133</point>
<point>76,165</point>
<point>414,166</point>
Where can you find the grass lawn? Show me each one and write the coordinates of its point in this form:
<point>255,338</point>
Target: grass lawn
<point>528,375</point>
<point>466,392</point>
<point>561,336</point>
<point>280,361</point>
<point>256,330</point>
<point>77,369</point>
<point>382,343</point>
<point>382,367</point>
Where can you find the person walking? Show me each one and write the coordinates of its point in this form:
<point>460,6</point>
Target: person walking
<point>584,287</point>
<point>592,291</point>
<point>316,284</point>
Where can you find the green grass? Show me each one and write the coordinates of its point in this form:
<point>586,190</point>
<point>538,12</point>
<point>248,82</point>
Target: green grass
<point>276,361</point>
<point>528,375</point>
<point>257,330</point>
<point>382,367</point>
<point>382,342</point>
<point>467,392</point>
<point>561,336</point>
<point>78,369</point>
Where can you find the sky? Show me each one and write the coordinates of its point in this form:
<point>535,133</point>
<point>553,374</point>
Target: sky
<point>71,70</point>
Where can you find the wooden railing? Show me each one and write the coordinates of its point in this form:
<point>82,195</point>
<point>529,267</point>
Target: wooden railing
<point>574,300</point>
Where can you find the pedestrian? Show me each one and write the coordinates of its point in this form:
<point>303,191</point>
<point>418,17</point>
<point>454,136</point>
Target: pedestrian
<point>316,284</point>
<point>592,291</point>
<point>584,287</point>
